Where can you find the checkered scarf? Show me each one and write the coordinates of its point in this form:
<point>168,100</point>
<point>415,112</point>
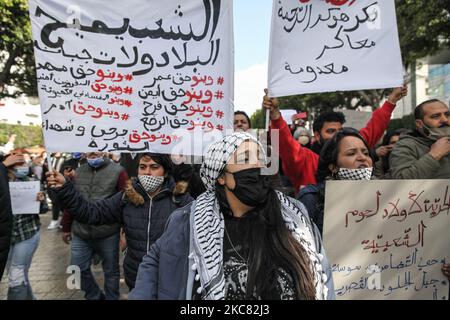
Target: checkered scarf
<point>151,183</point>
<point>355,174</point>
<point>209,224</point>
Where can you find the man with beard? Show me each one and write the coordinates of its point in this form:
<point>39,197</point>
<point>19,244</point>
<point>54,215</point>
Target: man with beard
<point>425,153</point>
<point>325,127</point>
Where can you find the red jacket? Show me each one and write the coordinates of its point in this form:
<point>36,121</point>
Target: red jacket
<point>300,164</point>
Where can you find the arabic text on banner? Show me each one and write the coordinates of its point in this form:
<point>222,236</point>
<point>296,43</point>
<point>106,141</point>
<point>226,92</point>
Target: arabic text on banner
<point>135,75</point>
<point>322,46</point>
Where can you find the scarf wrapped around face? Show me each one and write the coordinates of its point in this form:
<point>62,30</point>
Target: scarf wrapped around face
<point>209,224</point>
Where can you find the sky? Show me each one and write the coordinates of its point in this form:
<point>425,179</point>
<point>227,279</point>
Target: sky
<point>251,39</point>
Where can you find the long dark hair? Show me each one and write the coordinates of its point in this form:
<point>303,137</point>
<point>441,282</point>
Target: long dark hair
<point>271,247</point>
<point>330,152</point>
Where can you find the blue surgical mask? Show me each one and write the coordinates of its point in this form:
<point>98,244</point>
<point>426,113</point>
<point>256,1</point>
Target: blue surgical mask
<point>21,172</point>
<point>96,162</point>
<point>76,155</point>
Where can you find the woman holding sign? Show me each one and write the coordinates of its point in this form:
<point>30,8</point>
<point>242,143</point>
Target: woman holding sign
<point>24,239</point>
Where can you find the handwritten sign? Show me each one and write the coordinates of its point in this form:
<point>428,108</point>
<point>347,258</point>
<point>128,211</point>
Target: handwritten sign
<point>356,119</point>
<point>135,75</point>
<point>388,239</point>
<point>23,197</point>
<point>287,115</point>
<point>321,46</point>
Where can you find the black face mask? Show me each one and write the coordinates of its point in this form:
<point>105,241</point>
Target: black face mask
<point>251,188</point>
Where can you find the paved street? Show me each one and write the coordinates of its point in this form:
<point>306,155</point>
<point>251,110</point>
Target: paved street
<point>47,273</point>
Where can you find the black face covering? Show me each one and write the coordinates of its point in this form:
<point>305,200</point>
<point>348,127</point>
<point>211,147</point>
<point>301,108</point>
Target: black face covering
<point>251,187</point>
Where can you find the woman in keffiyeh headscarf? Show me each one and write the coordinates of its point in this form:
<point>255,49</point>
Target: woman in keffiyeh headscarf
<point>241,239</point>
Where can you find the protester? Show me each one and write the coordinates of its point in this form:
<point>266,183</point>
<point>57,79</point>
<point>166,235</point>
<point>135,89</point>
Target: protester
<point>325,127</point>
<point>446,270</point>
<point>98,179</point>
<point>143,208</point>
<point>24,240</point>
<point>346,156</point>
<point>36,166</point>
<point>240,240</point>
<point>68,170</point>
<point>424,153</point>
<point>298,121</point>
<point>6,218</point>
<point>241,121</point>
<point>58,160</point>
<point>303,137</point>
<point>130,162</point>
<point>79,157</point>
<point>299,163</point>
<point>383,152</point>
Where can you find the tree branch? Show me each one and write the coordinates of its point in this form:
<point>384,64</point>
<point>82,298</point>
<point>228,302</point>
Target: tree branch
<point>6,72</point>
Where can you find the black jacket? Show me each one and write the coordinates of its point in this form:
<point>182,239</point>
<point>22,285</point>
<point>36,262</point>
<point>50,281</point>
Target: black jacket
<point>312,197</point>
<point>143,218</point>
<point>5,218</point>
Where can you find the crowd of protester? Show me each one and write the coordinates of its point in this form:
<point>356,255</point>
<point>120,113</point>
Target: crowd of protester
<point>221,229</point>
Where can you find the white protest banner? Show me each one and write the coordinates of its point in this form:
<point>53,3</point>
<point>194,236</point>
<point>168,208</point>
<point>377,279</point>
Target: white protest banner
<point>135,75</point>
<point>330,45</point>
<point>356,119</point>
<point>287,115</point>
<point>388,239</point>
<point>24,197</point>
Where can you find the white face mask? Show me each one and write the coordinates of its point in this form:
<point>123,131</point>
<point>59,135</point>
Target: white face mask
<point>303,140</point>
<point>151,183</point>
<point>355,174</point>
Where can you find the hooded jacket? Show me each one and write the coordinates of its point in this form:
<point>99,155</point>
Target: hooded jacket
<point>143,218</point>
<point>410,159</point>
